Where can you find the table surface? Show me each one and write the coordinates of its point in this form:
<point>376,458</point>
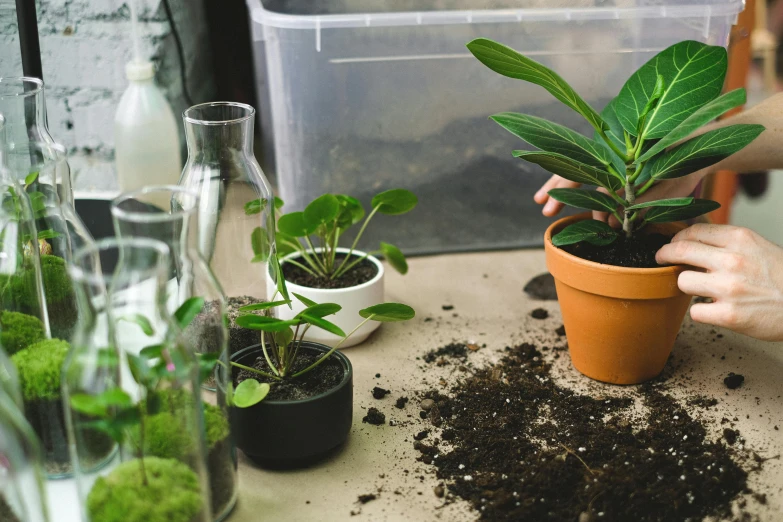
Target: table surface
<point>486,290</point>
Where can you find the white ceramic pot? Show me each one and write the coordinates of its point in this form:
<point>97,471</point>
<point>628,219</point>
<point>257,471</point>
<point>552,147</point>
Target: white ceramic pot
<point>351,299</point>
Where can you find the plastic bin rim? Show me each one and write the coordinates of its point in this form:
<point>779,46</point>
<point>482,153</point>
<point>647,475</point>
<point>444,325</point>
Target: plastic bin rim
<point>268,18</point>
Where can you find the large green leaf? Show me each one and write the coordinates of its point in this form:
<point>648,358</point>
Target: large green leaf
<point>323,324</point>
<point>587,199</point>
<point>671,202</point>
<point>669,214</point>
<point>705,114</point>
<point>388,312</point>
<point>294,224</point>
<point>615,134</point>
<point>304,300</point>
<point>395,257</point>
<point>321,210</point>
<point>321,310</point>
<point>351,211</point>
<point>702,151</point>
<point>693,75</point>
<point>394,201</point>
<point>508,62</point>
<point>590,230</point>
<point>570,169</point>
<point>249,393</point>
<point>551,137</point>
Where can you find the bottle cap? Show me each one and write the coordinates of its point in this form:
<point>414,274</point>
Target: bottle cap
<point>141,70</point>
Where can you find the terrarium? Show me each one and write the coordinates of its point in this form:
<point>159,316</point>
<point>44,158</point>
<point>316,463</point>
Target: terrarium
<point>132,382</point>
<point>170,214</point>
<point>236,221</point>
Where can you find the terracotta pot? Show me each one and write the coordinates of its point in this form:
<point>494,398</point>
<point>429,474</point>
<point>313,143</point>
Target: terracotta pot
<point>620,322</point>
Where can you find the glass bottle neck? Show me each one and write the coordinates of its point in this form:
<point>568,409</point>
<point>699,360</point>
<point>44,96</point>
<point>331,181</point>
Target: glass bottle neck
<point>23,105</point>
<point>210,142</point>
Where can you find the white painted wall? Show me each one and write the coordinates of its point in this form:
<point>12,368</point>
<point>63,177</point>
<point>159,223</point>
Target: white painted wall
<point>85,45</point>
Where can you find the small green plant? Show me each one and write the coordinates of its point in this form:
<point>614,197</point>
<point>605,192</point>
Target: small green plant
<point>325,220</point>
<point>282,344</point>
<point>640,138</point>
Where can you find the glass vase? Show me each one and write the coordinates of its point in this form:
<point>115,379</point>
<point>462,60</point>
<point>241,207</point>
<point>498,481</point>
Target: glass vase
<point>23,104</point>
<point>236,205</point>
<point>170,214</point>
<point>22,490</point>
<point>132,383</point>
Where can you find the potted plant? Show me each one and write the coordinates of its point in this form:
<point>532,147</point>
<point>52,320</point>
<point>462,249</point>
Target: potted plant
<point>621,310</point>
<point>330,273</point>
<point>293,399</point>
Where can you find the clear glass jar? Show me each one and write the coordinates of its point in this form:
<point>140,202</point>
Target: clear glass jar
<point>236,232</point>
<point>22,490</point>
<point>23,104</point>
<point>131,377</point>
<point>139,214</point>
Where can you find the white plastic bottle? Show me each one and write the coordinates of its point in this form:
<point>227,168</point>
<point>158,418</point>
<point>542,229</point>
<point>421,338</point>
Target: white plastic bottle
<point>147,150</point>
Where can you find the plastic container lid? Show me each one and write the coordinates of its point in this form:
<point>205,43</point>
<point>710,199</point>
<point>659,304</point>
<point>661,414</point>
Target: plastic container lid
<point>139,70</point>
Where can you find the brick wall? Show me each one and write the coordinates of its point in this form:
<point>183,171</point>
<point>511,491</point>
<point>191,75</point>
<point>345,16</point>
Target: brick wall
<point>85,45</point>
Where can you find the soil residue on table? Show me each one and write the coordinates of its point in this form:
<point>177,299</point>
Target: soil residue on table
<point>455,350</point>
<point>520,447</point>
<point>539,313</point>
<point>542,288</point>
<point>733,380</point>
<point>637,252</point>
<point>379,393</point>
<point>361,273</point>
<point>375,417</point>
<point>321,379</point>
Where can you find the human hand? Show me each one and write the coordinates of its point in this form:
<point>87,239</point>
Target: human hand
<point>740,270</point>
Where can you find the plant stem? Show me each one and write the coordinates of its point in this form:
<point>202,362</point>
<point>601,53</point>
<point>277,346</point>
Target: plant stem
<point>318,265</point>
<point>645,187</point>
<point>612,146</point>
<point>248,368</point>
<point>266,355</point>
<point>358,236</point>
<point>627,222</point>
<point>617,198</point>
<point>300,265</point>
<point>330,352</point>
<point>354,263</point>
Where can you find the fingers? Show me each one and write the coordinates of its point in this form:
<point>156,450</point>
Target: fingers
<point>697,283</point>
<point>718,314</point>
<point>552,206</point>
<point>716,235</point>
<point>690,253</point>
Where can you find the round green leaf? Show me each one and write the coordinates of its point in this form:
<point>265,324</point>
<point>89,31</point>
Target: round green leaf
<point>590,230</point>
<point>321,210</point>
<point>389,312</point>
<point>351,211</point>
<point>263,323</point>
<point>395,201</point>
<point>284,337</point>
<point>249,393</point>
<point>395,257</point>
<point>294,225</point>
<point>278,202</point>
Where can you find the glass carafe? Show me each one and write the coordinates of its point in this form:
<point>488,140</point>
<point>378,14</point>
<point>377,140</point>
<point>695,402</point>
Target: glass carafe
<point>131,380</point>
<point>22,490</point>
<point>23,105</point>
<point>170,214</point>
<point>236,230</point>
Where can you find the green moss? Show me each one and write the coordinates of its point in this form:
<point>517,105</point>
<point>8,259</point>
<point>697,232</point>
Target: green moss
<point>216,424</point>
<point>58,288</point>
<point>19,331</point>
<point>172,493</point>
<point>57,282</point>
<point>39,368</point>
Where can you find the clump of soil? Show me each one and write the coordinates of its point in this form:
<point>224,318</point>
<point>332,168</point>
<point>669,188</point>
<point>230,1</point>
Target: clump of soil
<point>560,331</point>
<point>363,499</point>
<point>361,273</point>
<point>521,447</point>
<point>458,350</point>
<point>374,416</point>
<point>539,313</point>
<point>542,287</point>
<point>733,381</point>
<point>238,337</point>
<point>6,513</point>
<point>379,393</point>
<point>703,402</point>
<point>401,402</point>
<point>447,308</point>
<point>315,382</point>
<point>637,252</point>
<point>730,435</point>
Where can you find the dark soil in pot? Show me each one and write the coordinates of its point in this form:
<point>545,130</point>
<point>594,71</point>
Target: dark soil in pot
<point>6,513</point>
<point>315,382</point>
<point>637,252</point>
<point>359,274</point>
<point>47,419</point>
<point>519,446</point>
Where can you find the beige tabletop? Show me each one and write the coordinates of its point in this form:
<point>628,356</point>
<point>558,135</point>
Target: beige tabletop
<point>491,307</point>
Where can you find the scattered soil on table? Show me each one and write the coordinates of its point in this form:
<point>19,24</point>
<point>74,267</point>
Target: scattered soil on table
<point>520,447</point>
<point>459,350</point>
<point>238,337</point>
<point>539,313</point>
<point>560,330</point>
<point>734,380</point>
<point>6,513</point>
<point>703,402</point>
<point>730,435</point>
<point>363,499</point>
<point>379,393</point>
<point>447,308</point>
<point>638,252</point>
<point>401,402</point>
<point>542,287</point>
<point>374,416</point>
<point>315,382</point>
<point>361,273</point>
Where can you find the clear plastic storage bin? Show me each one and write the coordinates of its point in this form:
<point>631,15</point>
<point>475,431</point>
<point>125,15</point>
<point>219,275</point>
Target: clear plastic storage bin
<point>357,96</point>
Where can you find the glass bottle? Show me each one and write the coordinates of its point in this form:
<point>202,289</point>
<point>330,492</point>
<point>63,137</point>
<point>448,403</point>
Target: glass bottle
<point>132,381</point>
<point>22,490</point>
<point>236,232</point>
<point>169,214</point>
<point>23,104</point>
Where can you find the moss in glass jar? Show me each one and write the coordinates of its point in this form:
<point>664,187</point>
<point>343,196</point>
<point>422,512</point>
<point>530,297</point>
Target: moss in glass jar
<point>171,493</point>
<point>58,288</point>
<point>18,331</point>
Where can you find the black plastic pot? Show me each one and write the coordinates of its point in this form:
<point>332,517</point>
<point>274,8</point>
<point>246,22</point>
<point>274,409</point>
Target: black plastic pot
<point>284,434</point>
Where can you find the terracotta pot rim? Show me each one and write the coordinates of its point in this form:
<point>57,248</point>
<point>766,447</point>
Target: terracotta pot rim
<point>660,271</point>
